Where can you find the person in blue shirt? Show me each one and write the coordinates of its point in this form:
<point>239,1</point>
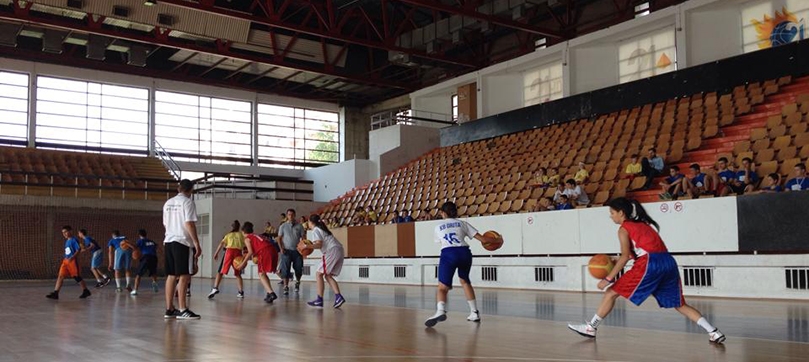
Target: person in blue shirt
<point>725,177</point>
<point>673,185</point>
<point>406,216</point>
<point>148,261</point>
<point>699,184</point>
<point>800,182</point>
<point>120,259</point>
<point>396,218</point>
<point>746,179</point>
<point>70,265</point>
<point>96,258</point>
<point>564,203</point>
<point>651,167</point>
<point>773,184</point>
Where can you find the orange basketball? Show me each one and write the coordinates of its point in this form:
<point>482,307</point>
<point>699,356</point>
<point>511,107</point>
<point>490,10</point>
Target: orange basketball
<point>255,260</point>
<point>136,254</point>
<point>600,266</point>
<point>125,245</point>
<point>237,261</point>
<point>495,245</point>
<point>305,248</point>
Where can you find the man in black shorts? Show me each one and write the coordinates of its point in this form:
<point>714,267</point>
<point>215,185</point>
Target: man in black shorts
<point>182,249</point>
<point>148,261</point>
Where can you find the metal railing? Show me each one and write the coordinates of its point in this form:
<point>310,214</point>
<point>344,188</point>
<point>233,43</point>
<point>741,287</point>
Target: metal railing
<point>80,185</point>
<point>166,159</point>
<point>252,187</point>
<point>410,117</point>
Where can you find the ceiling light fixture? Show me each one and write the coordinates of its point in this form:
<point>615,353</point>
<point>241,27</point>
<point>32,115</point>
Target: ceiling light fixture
<point>150,2</point>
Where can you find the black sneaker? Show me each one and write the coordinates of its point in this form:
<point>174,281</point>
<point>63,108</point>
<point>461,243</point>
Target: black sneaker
<point>297,286</point>
<point>286,290</point>
<point>106,281</point>
<point>53,295</point>
<point>171,314</point>
<point>86,293</point>
<point>188,314</point>
<point>99,285</point>
<point>270,298</point>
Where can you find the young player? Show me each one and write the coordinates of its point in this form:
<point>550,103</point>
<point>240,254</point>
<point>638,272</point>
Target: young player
<point>70,265</point>
<point>266,256</point>
<point>233,243</point>
<point>120,259</point>
<point>332,261</point>
<point>96,258</point>
<point>455,254</point>
<point>148,261</point>
<point>654,273</point>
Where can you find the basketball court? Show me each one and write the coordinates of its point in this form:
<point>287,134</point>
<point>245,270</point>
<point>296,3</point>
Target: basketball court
<point>384,323</point>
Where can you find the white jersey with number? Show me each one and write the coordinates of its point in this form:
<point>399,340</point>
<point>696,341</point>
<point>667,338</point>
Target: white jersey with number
<point>453,233</point>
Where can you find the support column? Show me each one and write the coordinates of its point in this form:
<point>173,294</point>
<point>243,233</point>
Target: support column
<point>32,109</point>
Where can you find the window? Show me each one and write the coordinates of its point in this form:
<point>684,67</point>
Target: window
<point>647,55</point>
<point>297,135</point>
<point>541,43</point>
<point>203,224</point>
<point>13,107</point>
<point>770,23</point>
<point>642,10</point>
<point>204,129</point>
<point>79,115</point>
<point>542,84</point>
<point>454,102</point>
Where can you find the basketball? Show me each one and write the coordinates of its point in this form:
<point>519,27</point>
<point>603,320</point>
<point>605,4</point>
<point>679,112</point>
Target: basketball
<point>600,266</point>
<point>136,254</point>
<point>125,245</point>
<point>255,260</point>
<point>495,245</point>
<point>237,261</point>
<point>305,248</point>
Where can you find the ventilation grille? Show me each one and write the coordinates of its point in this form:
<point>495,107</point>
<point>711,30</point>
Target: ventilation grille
<point>698,277</point>
<point>307,270</point>
<point>488,273</point>
<point>365,271</point>
<point>797,278</point>
<point>543,274</point>
<point>399,271</point>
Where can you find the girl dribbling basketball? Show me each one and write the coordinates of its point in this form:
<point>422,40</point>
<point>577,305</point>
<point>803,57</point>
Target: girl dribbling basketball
<point>654,273</point>
<point>332,261</point>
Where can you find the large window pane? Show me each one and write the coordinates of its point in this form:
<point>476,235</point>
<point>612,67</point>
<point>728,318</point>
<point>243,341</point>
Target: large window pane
<point>87,115</point>
<point>204,129</point>
<point>767,24</point>
<point>542,84</point>
<point>13,106</point>
<point>297,134</point>
<point>647,55</point>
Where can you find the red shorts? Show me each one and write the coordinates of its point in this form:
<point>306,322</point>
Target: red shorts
<point>267,260</point>
<point>69,268</point>
<point>230,254</point>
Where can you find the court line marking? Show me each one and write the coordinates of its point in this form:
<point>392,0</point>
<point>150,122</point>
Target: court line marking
<point>467,358</point>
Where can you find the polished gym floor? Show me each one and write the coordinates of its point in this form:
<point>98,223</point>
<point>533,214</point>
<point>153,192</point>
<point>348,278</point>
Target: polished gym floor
<point>383,323</point>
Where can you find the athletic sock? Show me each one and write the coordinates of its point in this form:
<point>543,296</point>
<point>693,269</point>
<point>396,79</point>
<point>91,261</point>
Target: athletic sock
<point>98,280</point>
<point>706,325</point>
<point>105,276</point>
<point>595,321</point>
<point>128,281</point>
<point>118,283</point>
<point>473,305</point>
<point>441,307</point>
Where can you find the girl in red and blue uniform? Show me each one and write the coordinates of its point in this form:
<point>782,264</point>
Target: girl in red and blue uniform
<point>654,272</point>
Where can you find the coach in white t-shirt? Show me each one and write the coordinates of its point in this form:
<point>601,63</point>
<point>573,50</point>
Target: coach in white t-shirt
<point>182,249</point>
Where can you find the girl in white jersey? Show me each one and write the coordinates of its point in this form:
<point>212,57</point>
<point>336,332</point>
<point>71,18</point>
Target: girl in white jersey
<point>455,254</point>
<point>332,261</point>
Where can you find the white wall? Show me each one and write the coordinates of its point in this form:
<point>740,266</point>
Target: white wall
<point>704,25</point>
<point>332,181</point>
<point>509,94</point>
<point>391,147</point>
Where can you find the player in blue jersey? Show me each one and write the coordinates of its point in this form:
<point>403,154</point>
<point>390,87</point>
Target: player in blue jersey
<point>96,258</point>
<point>698,184</point>
<point>800,182</point>
<point>120,259</point>
<point>148,261</point>
<point>452,233</point>
<point>70,265</point>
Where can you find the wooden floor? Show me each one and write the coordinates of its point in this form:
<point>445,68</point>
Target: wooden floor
<point>383,323</point>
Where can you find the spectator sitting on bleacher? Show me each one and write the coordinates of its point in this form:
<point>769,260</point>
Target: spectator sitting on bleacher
<point>651,167</point>
<point>746,179</point>
<point>560,190</point>
<point>773,184</point>
<point>425,215</point>
<point>725,177</point>
<point>672,186</point>
<point>582,174</point>
<point>564,203</point>
<point>633,169</point>
<point>545,204</point>
<point>370,216</point>
<point>396,218</point>
<point>406,216</point>
<point>576,194</point>
<point>799,182</point>
<point>359,216</point>
<point>553,177</point>
<point>541,179</point>
<point>333,224</point>
<point>699,184</point>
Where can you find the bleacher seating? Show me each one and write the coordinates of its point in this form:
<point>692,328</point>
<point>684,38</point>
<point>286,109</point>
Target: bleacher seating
<point>72,174</point>
<point>494,176</point>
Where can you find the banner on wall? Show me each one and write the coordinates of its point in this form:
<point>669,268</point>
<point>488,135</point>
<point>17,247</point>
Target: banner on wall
<point>782,28</point>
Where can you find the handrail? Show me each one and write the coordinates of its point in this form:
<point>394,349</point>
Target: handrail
<point>211,175</point>
<point>84,176</point>
<point>167,160</point>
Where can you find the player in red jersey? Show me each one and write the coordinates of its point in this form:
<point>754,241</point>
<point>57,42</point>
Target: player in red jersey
<point>266,256</point>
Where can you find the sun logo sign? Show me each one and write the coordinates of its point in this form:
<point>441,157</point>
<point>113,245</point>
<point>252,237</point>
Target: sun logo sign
<point>782,29</point>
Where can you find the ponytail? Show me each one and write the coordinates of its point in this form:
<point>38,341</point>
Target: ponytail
<point>315,219</point>
<point>633,210</point>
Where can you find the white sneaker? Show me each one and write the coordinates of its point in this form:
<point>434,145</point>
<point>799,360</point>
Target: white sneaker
<point>134,292</point>
<point>213,292</point>
<point>716,336</point>
<point>474,317</point>
<point>437,317</point>
<point>584,329</point>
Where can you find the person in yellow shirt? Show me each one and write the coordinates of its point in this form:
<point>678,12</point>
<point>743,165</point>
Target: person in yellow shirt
<point>541,179</point>
<point>270,230</point>
<point>370,216</point>
<point>633,169</point>
<point>582,174</point>
<point>553,177</point>
<point>359,216</point>
<point>234,246</point>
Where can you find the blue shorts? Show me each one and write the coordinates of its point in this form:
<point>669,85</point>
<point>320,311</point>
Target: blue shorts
<point>123,259</point>
<point>97,259</point>
<point>655,274</point>
<point>452,258</point>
